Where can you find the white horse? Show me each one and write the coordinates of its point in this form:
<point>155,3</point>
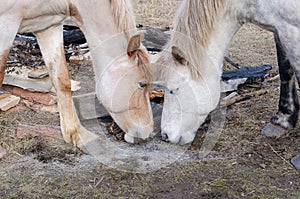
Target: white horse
<point>108,26</point>
<point>191,65</point>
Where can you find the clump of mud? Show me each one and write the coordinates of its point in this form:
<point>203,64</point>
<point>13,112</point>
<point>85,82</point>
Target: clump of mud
<point>47,151</point>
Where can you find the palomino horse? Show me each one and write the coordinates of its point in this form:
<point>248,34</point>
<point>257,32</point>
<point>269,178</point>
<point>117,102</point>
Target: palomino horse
<point>108,26</point>
<point>191,65</point>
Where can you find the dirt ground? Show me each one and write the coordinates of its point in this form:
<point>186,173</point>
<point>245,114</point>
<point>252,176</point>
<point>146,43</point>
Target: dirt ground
<point>242,164</point>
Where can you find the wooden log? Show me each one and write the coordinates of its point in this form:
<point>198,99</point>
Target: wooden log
<point>38,73</point>
<point>74,36</point>
<point>9,102</point>
<point>40,107</point>
<point>252,74</point>
<point>243,97</point>
<point>29,130</point>
<point>42,98</point>
<point>71,36</point>
<point>155,39</point>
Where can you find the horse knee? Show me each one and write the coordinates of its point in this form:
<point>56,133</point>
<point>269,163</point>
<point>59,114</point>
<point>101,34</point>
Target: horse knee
<point>3,61</point>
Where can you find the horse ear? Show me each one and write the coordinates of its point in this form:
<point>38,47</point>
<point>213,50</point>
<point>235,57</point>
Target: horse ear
<point>179,55</point>
<point>134,45</point>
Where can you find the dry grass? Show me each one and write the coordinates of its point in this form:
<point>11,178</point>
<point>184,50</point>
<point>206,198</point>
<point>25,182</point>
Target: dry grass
<point>253,46</point>
<point>155,13</point>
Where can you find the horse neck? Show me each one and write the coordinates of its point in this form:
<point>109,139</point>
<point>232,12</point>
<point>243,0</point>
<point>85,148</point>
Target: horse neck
<point>105,40</point>
<point>219,42</point>
<point>210,57</point>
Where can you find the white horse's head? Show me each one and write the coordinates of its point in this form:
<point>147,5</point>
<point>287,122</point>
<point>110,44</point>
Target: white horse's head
<point>123,90</point>
<point>187,101</point>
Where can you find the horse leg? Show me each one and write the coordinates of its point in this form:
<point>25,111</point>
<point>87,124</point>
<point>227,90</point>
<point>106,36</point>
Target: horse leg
<point>287,115</point>
<point>3,60</point>
<point>6,40</point>
<point>51,45</point>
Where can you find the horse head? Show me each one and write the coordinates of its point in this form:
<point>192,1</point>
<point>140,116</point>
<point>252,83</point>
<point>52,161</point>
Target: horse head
<point>187,101</point>
<point>123,90</point>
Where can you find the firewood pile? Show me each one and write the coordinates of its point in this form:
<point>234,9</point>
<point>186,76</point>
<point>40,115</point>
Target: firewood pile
<point>27,80</point>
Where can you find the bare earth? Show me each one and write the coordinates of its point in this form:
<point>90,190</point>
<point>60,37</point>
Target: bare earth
<point>243,163</point>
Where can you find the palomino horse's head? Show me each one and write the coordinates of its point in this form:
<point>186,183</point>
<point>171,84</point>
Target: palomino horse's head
<point>123,90</point>
<point>187,101</point>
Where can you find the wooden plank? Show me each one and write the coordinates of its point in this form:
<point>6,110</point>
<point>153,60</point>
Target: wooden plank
<point>40,107</point>
<point>239,98</point>
<point>88,107</point>
<point>39,97</point>
<point>25,130</point>
<point>9,102</point>
<point>38,73</point>
<point>21,79</point>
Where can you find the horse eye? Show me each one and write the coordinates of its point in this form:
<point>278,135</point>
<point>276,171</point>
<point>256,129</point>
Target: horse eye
<point>142,84</point>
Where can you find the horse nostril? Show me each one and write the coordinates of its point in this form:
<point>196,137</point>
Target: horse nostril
<point>174,91</point>
<point>164,137</point>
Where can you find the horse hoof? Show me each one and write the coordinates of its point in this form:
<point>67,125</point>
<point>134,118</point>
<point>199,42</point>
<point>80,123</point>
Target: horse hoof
<point>272,130</point>
<point>296,161</point>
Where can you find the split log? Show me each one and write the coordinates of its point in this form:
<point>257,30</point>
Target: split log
<point>253,74</point>
<point>71,36</point>
<point>29,130</point>
<point>243,97</point>
<point>9,102</point>
<point>155,39</point>
<point>38,73</point>
<point>42,98</point>
<point>40,107</point>
<point>232,84</point>
<point>74,36</point>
